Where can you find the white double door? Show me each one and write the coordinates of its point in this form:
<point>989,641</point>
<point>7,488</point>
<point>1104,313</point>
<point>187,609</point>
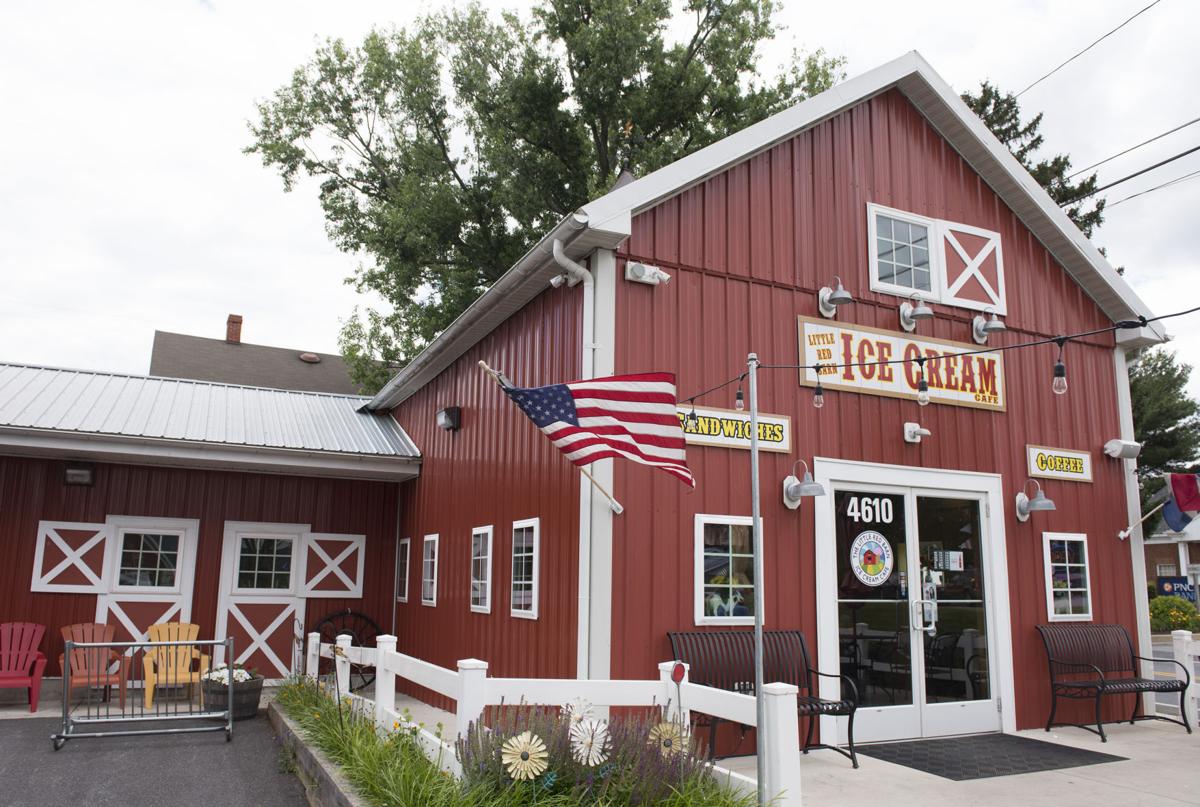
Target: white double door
<point>912,599</point>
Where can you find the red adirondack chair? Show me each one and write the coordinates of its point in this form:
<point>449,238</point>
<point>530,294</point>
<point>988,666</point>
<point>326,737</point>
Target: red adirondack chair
<point>21,663</point>
<point>90,665</point>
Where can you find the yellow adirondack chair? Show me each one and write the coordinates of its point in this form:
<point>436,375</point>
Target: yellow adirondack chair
<point>171,666</point>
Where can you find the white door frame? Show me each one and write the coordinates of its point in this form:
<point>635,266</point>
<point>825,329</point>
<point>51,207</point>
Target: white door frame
<point>843,473</point>
<point>292,597</point>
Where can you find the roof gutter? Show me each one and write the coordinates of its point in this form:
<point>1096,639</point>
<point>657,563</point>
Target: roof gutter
<point>532,263</point>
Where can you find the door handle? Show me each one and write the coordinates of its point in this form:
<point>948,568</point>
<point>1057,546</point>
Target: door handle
<point>921,610</point>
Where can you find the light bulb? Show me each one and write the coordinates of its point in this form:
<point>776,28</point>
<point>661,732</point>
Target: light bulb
<point>923,392</point>
<point>818,396</point>
<point>739,402</point>
<point>691,421</point>
<point>1060,378</point>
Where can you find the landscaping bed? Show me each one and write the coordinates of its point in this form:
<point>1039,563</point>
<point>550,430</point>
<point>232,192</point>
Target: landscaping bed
<point>530,756</point>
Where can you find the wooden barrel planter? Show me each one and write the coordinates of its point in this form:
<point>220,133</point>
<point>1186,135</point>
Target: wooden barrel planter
<point>246,696</point>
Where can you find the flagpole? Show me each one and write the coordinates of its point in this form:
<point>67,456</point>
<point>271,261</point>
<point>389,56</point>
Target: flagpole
<point>612,502</point>
<point>756,536</point>
<point>1125,533</point>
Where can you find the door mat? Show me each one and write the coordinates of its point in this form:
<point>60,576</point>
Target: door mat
<point>984,755</point>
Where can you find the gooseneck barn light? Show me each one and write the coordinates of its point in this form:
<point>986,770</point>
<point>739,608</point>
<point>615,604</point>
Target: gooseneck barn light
<point>795,489</point>
<point>828,299</point>
<point>1039,502</point>
<point>982,327</point>
<point>911,314</point>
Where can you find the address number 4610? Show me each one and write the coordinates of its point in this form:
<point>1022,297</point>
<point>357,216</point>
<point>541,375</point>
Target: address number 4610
<point>870,510</point>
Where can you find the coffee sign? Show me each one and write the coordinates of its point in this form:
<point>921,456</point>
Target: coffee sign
<point>1059,463</point>
<point>976,380</point>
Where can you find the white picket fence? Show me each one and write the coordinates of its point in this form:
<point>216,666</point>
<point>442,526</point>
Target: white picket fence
<point>473,691</point>
<point>1186,651</point>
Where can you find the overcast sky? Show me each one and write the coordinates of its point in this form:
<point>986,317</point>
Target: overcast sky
<point>126,204</point>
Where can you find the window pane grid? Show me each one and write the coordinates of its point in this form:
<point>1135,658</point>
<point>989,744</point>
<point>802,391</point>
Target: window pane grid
<point>481,570</point>
<point>265,563</point>
<point>523,550</point>
<point>728,571</point>
<point>1068,578</point>
<point>902,253</point>
<point>148,559</point>
<point>429,570</point>
<point>402,571</point>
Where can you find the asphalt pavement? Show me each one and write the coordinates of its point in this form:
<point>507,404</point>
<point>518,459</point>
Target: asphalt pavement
<point>166,770</point>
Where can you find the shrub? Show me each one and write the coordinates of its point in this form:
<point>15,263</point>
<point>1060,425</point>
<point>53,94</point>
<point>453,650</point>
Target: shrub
<point>1173,613</point>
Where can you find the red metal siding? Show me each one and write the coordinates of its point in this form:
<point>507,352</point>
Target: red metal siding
<point>748,249</point>
<point>31,490</point>
<point>496,470</point>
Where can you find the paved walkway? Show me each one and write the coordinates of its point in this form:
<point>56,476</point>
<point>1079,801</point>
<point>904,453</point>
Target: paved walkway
<point>171,770</point>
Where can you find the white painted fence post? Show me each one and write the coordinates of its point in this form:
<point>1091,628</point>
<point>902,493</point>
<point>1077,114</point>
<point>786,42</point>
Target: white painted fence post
<point>1181,644</point>
<point>385,679</point>
<point>779,745</point>
<point>472,693</point>
<point>671,692</point>
<point>342,664</point>
<point>312,655</point>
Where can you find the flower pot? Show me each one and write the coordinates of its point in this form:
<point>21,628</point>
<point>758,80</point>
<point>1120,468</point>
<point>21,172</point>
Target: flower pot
<point>246,695</point>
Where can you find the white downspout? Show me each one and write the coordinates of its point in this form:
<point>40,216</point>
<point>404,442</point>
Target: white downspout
<point>577,274</point>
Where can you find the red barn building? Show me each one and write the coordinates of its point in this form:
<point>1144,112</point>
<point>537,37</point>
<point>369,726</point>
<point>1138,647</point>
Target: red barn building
<point>889,183</point>
<point>886,183</point>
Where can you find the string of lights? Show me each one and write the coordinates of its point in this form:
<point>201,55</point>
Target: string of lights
<point>1059,383</point>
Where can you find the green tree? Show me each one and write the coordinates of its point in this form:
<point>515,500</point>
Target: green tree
<point>442,152</point>
<point>1166,420</point>
<point>1001,113</point>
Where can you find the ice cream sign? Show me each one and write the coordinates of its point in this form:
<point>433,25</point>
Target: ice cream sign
<point>855,357</point>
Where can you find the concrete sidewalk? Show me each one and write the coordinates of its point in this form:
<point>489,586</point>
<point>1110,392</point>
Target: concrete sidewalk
<point>171,770</point>
<point>1159,771</point>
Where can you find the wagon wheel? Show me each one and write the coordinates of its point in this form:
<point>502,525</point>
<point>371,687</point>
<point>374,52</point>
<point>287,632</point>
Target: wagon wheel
<point>362,631</point>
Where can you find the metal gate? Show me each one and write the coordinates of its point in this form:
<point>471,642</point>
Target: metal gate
<point>114,689</point>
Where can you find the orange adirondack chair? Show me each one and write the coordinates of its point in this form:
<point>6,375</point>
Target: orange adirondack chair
<point>21,663</point>
<point>171,666</point>
<point>91,666</point>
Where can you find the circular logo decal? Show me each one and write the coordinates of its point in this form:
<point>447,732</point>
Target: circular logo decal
<point>871,558</point>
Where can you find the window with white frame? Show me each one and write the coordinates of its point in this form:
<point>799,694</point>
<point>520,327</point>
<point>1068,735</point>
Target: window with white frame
<point>402,570</point>
<point>724,570</point>
<point>429,569</point>
<point>1165,570</point>
<point>937,260</point>
<point>481,569</point>
<point>149,559</point>
<point>1068,578</point>
<point>524,592</point>
<point>265,563</point>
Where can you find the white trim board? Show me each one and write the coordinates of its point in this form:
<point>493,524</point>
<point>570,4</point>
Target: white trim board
<point>828,472</point>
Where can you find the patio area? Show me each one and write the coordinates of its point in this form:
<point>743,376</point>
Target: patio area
<point>1159,770</point>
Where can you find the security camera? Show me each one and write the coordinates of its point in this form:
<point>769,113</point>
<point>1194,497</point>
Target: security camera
<point>1122,449</point>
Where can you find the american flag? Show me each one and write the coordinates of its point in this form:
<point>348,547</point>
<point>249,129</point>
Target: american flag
<point>630,416</point>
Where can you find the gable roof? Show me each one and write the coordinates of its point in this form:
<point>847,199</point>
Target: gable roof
<point>607,220</point>
<point>177,355</point>
<point>148,419</point>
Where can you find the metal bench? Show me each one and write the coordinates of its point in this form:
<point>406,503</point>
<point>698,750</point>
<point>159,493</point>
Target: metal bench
<point>725,660</point>
<point>1088,662</point>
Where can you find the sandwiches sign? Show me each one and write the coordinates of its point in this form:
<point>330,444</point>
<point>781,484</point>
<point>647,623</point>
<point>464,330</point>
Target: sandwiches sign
<point>729,428</point>
<point>976,380</point>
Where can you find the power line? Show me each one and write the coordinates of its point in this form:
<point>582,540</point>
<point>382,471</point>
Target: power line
<point>1131,148</point>
<point>1125,324</point>
<point>1168,184</point>
<point>1127,178</point>
<point>1089,47</point>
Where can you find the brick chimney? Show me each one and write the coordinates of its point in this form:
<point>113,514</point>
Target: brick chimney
<point>233,329</point>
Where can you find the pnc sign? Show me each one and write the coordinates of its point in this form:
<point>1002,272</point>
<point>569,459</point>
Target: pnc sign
<point>1059,463</point>
<point>729,428</point>
<point>976,380</point>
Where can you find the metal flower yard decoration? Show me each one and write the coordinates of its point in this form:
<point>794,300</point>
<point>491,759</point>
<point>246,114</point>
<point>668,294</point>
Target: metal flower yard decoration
<point>577,710</point>
<point>588,740</point>
<point>668,738</point>
<point>524,756</point>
